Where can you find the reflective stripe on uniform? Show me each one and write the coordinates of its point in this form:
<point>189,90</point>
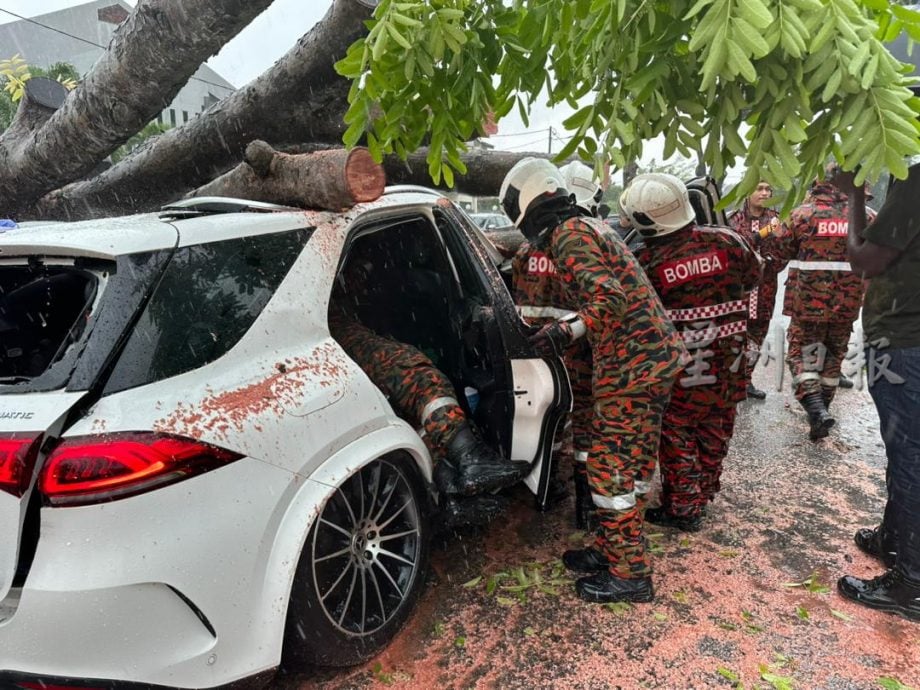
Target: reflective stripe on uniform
<point>714,333</point>
<point>436,405</point>
<point>578,328</point>
<point>621,502</point>
<point>821,265</point>
<point>530,312</point>
<point>643,487</point>
<point>581,456</point>
<point>806,376</point>
<point>828,381</point>
<point>710,311</point>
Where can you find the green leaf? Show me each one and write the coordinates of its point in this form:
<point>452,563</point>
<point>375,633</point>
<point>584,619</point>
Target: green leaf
<point>841,615</point>
<point>728,674</point>
<point>469,584</point>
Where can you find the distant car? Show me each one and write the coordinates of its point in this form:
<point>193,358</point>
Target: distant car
<point>492,222</point>
<point>197,485</point>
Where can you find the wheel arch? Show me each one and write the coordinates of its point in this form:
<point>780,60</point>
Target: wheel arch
<point>294,527</point>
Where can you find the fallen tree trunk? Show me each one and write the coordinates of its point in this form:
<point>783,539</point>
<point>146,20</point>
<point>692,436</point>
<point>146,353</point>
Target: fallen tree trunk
<point>330,180</point>
<point>300,98</point>
<point>485,170</point>
<point>151,56</point>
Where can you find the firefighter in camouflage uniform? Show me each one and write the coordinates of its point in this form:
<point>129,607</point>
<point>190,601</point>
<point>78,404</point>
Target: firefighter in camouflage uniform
<point>636,355</point>
<point>704,276</point>
<point>541,298</point>
<point>423,396</point>
<point>823,298</point>
<point>758,224</point>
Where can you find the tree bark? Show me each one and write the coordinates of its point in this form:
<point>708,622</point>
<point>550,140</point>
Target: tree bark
<point>300,98</point>
<point>41,98</point>
<point>151,56</point>
<point>484,175</point>
<point>329,180</point>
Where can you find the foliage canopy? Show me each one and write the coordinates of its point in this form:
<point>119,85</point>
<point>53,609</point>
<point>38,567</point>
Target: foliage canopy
<point>781,84</point>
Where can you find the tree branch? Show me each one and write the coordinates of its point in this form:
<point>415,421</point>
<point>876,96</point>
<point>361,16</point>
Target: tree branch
<point>300,98</point>
<point>151,56</point>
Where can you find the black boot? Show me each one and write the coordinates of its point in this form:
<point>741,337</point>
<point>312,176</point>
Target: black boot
<point>659,516</point>
<point>870,541</point>
<point>844,382</point>
<point>755,393</point>
<point>606,588</point>
<point>584,506</point>
<point>818,416</point>
<point>890,592</point>
<point>585,561</point>
<point>478,468</point>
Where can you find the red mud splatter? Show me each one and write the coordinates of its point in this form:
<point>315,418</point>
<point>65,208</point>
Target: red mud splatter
<point>218,413</point>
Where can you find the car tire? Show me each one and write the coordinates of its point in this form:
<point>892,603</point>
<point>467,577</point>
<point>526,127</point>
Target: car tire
<point>362,568</point>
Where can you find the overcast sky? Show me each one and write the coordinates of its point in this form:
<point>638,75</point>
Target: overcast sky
<point>261,43</point>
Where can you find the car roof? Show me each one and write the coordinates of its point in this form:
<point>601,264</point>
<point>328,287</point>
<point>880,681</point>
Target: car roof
<point>108,238</point>
<point>103,238</point>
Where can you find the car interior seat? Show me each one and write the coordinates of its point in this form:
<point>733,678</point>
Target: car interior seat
<point>704,197</point>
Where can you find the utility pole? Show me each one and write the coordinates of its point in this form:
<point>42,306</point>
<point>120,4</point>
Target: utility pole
<point>549,143</point>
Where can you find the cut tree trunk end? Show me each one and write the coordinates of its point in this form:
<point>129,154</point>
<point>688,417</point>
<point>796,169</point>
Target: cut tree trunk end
<point>330,180</point>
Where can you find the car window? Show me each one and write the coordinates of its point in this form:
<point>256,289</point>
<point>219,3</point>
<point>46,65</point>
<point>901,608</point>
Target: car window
<point>43,311</point>
<point>474,287</point>
<point>207,299</point>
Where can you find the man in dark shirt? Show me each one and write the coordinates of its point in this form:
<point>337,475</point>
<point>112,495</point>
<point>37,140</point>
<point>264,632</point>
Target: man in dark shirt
<point>888,253</point>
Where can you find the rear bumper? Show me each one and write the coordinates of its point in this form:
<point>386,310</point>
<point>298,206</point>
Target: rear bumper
<point>23,681</point>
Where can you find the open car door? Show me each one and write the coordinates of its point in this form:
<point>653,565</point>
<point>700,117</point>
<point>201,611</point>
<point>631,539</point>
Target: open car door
<point>525,396</point>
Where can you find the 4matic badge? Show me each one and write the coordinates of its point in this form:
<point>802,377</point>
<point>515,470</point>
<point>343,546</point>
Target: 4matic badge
<point>4,414</point>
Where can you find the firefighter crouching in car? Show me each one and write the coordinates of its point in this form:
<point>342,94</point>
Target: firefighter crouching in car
<point>704,276</point>
<point>541,298</point>
<point>823,298</point>
<point>759,225</point>
<point>423,396</point>
<point>636,356</point>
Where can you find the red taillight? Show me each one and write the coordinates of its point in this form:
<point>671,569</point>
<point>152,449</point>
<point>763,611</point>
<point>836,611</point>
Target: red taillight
<point>92,469</point>
<point>17,460</point>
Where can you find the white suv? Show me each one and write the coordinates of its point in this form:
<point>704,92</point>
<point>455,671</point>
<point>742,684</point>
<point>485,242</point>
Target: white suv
<point>196,483</point>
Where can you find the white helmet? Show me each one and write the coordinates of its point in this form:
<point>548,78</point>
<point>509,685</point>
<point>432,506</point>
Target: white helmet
<point>657,204</point>
<point>531,182</point>
<point>579,179</point>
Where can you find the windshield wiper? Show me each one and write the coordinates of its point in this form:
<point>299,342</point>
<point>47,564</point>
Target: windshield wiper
<point>8,380</point>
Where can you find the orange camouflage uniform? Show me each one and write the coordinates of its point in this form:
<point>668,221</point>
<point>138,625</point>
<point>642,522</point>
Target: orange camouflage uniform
<point>540,297</point>
<point>704,276</point>
<point>419,393</point>
<point>636,356</point>
<point>763,297</point>
<point>823,296</point>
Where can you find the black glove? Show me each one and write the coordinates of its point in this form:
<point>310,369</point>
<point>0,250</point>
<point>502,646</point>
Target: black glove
<point>553,338</point>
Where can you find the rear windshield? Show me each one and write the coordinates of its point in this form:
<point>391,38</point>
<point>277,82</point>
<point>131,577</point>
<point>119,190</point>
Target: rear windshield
<point>208,297</point>
<point>44,310</point>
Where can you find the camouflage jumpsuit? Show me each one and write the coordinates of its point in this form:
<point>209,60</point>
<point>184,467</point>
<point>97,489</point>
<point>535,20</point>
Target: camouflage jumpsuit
<point>419,393</point>
<point>823,295</point>
<point>636,355</point>
<point>759,233</point>
<point>540,297</point>
<point>704,276</point>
